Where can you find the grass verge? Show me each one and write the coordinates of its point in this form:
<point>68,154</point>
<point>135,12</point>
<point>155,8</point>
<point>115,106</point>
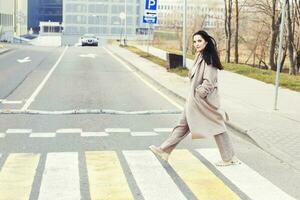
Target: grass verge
<point>267,76</point>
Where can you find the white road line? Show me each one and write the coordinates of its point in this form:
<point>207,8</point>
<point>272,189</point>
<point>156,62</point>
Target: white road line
<point>2,135</point>
<point>11,102</point>
<point>40,87</point>
<point>117,130</point>
<point>163,130</point>
<point>146,82</point>
<point>152,179</point>
<point>247,180</point>
<point>61,177</point>
<point>94,134</point>
<point>18,131</point>
<point>42,135</point>
<point>143,134</point>
<point>69,130</point>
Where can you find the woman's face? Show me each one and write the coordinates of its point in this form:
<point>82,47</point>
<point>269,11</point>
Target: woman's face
<point>199,43</point>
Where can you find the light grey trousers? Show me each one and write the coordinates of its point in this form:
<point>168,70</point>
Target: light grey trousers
<point>182,130</point>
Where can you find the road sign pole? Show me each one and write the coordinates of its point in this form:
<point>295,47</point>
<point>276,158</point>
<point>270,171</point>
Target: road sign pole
<point>125,31</point>
<point>148,39</point>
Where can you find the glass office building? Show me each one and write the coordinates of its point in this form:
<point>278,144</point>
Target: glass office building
<point>43,10</point>
<point>100,17</point>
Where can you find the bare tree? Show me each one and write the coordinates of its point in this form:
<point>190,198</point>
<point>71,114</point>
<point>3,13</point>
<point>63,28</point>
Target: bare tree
<point>290,45</point>
<point>275,22</point>
<point>228,31</point>
<point>296,33</point>
<point>236,36</point>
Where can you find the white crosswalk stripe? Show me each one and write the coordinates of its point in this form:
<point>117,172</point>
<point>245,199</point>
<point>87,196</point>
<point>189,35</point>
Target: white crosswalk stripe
<point>2,135</point>
<point>249,181</point>
<point>152,179</point>
<point>61,177</point>
<point>107,178</point>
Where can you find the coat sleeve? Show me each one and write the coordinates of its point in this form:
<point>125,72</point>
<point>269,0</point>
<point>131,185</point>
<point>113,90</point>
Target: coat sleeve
<point>209,81</point>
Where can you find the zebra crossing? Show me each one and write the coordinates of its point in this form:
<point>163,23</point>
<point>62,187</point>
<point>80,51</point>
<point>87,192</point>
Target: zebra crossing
<point>109,178</point>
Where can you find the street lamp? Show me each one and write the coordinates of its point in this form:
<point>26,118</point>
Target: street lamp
<point>125,31</point>
<point>98,27</point>
<point>122,17</point>
<point>20,20</point>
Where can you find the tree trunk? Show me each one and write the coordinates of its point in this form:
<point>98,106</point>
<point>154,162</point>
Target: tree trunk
<point>236,37</point>
<point>292,69</point>
<point>283,58</point>
<point>274,34</point>
<point>228,31</point>
<point>225,27</point>
<point>298,61</point>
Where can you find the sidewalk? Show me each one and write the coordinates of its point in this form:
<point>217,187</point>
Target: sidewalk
<point>248,102</point>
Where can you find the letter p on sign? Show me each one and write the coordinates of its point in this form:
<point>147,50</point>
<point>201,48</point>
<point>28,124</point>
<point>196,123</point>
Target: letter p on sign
<point>151,4</point>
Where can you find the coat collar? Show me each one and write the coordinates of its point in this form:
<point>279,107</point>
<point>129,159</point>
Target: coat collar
<point>196,65</point>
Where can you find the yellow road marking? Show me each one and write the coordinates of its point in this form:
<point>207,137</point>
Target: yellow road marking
<point>16,176</point>
<point>201,181</point>
<point>106,178</point>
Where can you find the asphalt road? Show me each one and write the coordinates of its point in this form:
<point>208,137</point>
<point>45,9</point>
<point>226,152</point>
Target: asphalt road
<point>87,78</point>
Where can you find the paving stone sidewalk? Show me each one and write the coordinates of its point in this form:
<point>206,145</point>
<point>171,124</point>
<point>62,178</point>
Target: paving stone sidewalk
<point>248,102</point>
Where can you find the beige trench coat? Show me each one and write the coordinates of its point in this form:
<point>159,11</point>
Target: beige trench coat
<point>202,108</point>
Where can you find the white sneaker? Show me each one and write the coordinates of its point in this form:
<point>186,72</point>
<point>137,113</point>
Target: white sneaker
<point>233,161</point>
<point>160,153</point>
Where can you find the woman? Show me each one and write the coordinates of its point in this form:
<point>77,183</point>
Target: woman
<point>202,115</point>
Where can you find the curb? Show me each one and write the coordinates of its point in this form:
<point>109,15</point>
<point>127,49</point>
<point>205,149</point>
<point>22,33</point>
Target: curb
<point>3,51</point>
<point>263,145</point>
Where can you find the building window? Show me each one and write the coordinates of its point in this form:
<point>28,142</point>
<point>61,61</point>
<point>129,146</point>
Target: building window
<point>116,9</point>
<point>76,8</point>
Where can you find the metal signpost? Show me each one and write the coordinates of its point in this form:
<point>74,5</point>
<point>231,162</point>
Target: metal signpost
<point>150,16</point>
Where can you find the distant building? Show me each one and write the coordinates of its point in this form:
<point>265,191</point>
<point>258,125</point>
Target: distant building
<point>103,18</point>
<point>43,10</point>
<point>13,18</point>
<point>208,12</point>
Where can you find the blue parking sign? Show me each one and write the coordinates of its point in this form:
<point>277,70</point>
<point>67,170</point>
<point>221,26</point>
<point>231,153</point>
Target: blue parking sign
<point>151,5</point>
<point>149,20</point>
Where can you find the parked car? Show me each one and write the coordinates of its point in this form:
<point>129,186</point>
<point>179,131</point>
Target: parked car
<point>89,40</point>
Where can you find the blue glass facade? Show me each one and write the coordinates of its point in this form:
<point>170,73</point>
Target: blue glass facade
<point>43,10</point>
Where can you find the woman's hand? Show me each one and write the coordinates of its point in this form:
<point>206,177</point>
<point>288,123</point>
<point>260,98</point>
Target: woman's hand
<point>204,89</point>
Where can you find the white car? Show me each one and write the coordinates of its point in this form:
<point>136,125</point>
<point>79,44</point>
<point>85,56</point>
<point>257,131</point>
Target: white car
<point>89,40</point>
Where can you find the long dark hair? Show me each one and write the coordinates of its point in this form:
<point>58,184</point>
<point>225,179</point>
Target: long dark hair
<point>210,53</point>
